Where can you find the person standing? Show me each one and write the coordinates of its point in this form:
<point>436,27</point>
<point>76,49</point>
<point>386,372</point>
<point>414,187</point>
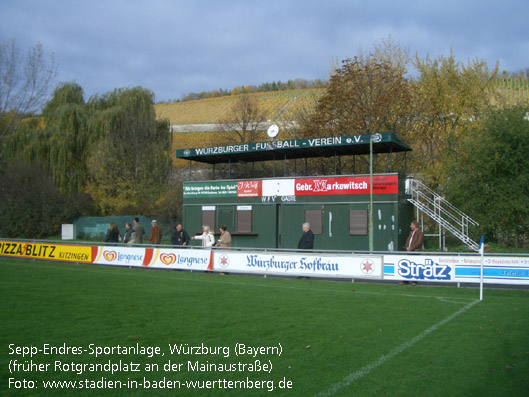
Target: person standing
<point>180,237</point>
<point>306,242</point>
<point>112,234</point>
<point>415,239</point>
<point>129,236</point>
<point>138,229</point>
<point>156,233</point>
<point>207,237</point>
<point>225,237</point>
<point>414,242</point>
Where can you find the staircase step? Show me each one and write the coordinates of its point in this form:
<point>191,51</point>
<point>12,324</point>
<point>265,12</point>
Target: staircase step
<point>441,211</point>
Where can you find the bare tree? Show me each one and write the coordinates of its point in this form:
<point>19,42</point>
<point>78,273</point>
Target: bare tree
<point>244,118</point>
<point>24,84</point>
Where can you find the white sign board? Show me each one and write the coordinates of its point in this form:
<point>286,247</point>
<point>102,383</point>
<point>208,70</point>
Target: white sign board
<point>67,231</point>
<point>299,264</point>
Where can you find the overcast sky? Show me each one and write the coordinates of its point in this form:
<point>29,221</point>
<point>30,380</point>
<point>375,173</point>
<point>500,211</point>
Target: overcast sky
<point>175,47</point>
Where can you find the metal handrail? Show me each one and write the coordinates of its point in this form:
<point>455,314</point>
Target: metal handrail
<point>441,211</point>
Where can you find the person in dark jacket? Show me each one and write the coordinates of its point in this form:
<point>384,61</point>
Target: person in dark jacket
<point>180,236</point>
<point>112,234</point>
<point>128,238</point>
<point>306,242</point>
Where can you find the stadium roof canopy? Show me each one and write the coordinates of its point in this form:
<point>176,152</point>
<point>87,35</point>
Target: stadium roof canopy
<point>295,149</point>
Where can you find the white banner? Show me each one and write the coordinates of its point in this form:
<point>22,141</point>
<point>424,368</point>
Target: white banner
<point>165,258</point>
<point>183,258</point>
<point>309,265</point>
<point>121,256</point>
<point>460,268</point>
<point>405,266</point>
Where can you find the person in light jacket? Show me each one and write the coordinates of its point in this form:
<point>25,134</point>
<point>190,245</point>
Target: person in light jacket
<point>225,237</point>
<point>207,237</point>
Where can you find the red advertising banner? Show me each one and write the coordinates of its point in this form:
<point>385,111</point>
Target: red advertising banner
<point>382,184</point>
<point>249,188</point>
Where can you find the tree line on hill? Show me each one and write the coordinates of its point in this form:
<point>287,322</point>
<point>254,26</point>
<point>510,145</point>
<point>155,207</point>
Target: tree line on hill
<point>109,155</point>
<point>296,84</point>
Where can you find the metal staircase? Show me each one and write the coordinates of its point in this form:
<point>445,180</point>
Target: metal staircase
<point>448,217</point>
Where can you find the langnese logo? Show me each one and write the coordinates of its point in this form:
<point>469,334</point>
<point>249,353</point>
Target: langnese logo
<point>168,259</point>
<point>427,271</point>
<point>110,256</point>
<point>367,266</point>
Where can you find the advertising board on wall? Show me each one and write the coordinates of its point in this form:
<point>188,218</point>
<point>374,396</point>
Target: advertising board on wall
<point>299,264</point>
<point>54,252</point>
<point>325,186</point>
<point>123,256</point>
<point>183,259</point>
<point>460,268</point>
<point>400,266</point>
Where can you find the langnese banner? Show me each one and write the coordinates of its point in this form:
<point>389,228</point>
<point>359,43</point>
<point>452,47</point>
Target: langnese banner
<point>182,259</point>
<point>162,258</point>
<point>124,256</point>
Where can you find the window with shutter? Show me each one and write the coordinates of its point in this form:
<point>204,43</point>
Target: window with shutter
<point>244,221</point>
<point>358,223</point>
<point>314,217</point>
<point>208,218</point>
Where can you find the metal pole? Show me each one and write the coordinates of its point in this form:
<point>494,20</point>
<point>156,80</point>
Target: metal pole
<point>371,193</point>
<point>482,252</point>
<point>391,158</point>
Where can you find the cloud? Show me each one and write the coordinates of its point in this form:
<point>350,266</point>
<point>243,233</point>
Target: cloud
<point>177,47</point>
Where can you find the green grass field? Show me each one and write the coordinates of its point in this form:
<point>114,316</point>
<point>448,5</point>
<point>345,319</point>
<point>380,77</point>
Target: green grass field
<point>336,338</point>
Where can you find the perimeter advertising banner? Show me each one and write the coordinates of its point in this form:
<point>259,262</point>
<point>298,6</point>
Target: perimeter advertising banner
<point>410,267</point>
<point>183,259</point>
<point>55,252</point>
<point>309,265</point>
<point>124,256</point>
<point>462,268</point>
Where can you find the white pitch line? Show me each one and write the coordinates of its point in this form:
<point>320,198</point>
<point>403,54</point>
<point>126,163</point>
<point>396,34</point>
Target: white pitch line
<point>352,377</point>
<point>101,270</point>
